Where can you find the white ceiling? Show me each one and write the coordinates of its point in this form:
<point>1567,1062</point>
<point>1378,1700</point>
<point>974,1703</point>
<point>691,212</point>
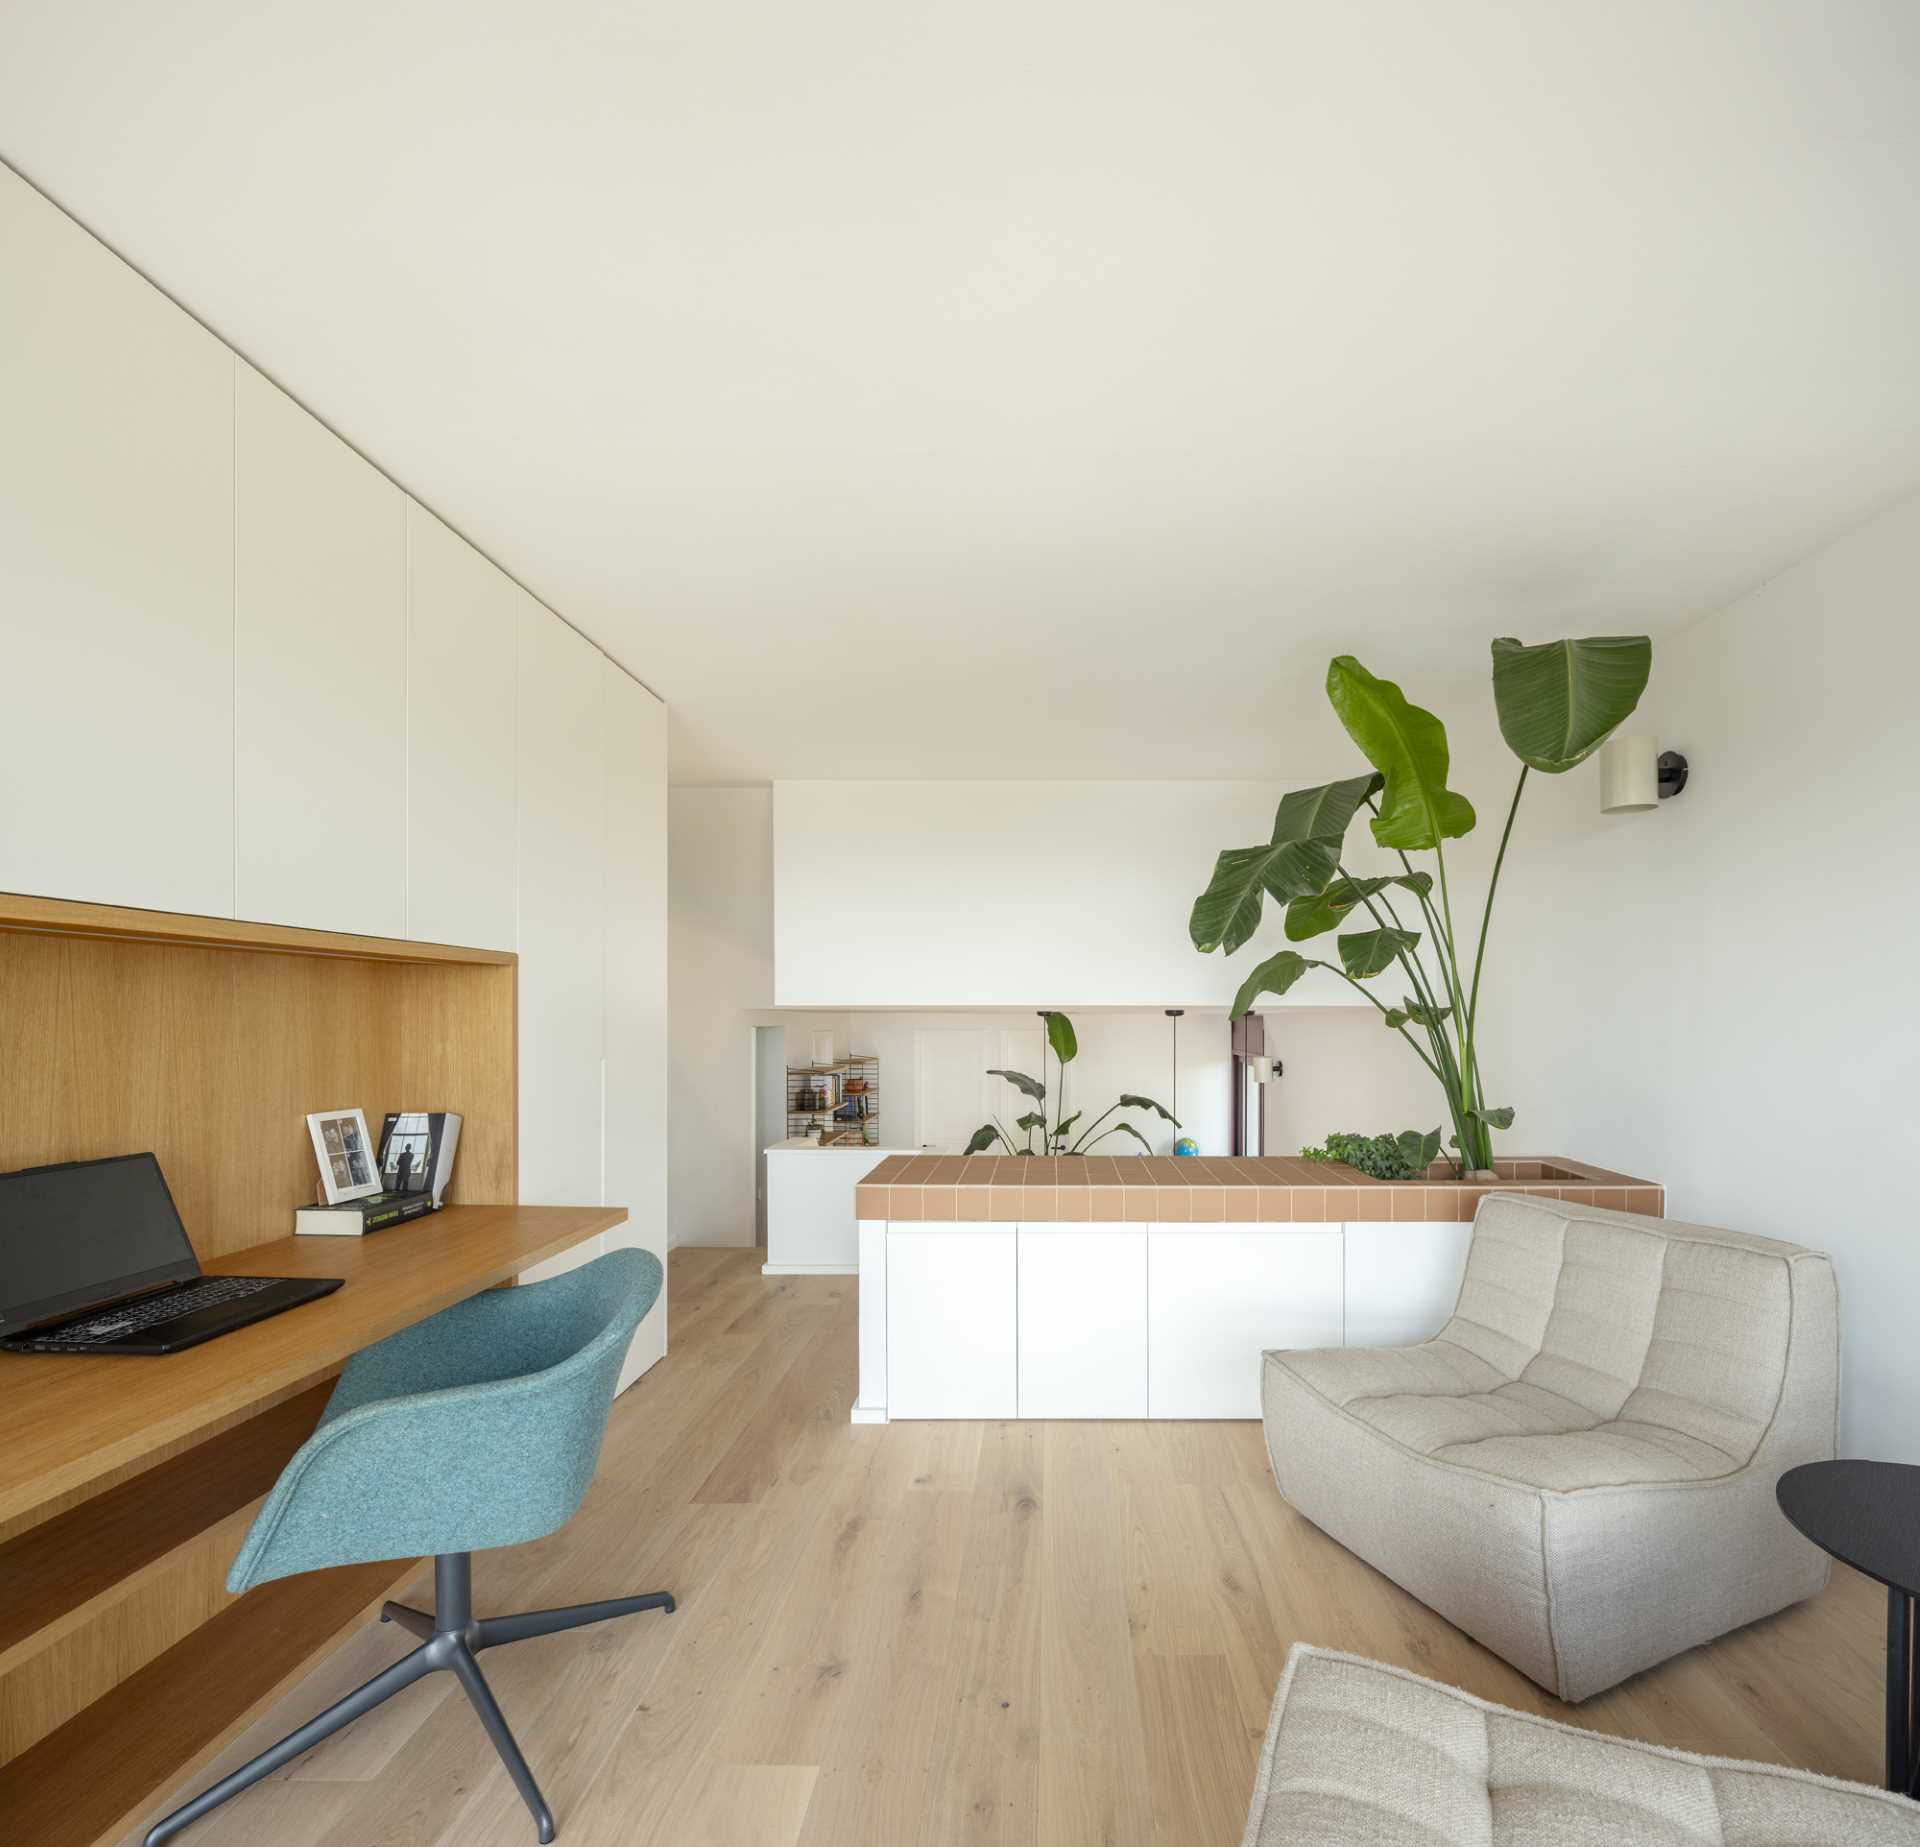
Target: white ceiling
<point>1042,387</point>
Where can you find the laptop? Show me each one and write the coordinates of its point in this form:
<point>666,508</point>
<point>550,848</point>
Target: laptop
<point>94,1259</point>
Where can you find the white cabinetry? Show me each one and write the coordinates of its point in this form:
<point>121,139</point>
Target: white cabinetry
<point>1083,1320</point>
<point>1402,1281</point>
<point>562,825</point>
<point>319,674</point>
<point>1220,1296</point>
<point>116,578</point>
<point>634,737</point>
<point>951,1293</point>
<point>462,640</point>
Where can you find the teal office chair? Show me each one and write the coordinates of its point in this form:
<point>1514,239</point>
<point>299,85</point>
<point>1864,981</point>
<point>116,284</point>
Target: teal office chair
<point>480,1427</point>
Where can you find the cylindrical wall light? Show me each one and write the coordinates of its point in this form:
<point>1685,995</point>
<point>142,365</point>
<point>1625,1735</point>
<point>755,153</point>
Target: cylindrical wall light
<point>1629,775</point>
<point>1260,1069</point>
<point>1636,775</point>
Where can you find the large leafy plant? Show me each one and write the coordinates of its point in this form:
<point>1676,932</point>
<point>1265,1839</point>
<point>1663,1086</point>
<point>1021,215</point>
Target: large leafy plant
<point>1557,704</point>
<point>1058,1137</point>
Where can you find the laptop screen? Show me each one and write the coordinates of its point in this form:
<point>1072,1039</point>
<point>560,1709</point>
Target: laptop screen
<point>86,1232</point>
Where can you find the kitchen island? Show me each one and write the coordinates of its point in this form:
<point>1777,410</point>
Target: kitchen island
<point>995,1286</point>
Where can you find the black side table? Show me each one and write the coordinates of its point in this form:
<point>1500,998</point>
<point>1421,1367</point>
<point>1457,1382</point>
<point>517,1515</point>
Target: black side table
<point>1867,1514</point>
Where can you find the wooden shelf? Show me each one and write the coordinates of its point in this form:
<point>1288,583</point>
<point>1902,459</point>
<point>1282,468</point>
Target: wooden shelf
<point>107,1768</point>
<point>65,917</point>
<point>68,1421</point>
<point>63,1573</point>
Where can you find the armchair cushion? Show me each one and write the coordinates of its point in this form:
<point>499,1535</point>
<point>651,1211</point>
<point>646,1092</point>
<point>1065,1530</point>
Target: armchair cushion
<point>1578,1469</point>
<point>1362,1755</point>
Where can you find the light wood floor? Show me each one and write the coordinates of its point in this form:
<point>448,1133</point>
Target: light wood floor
<point>1046,1634</point>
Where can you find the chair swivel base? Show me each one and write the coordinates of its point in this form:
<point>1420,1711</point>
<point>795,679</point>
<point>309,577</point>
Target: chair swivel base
<point>450,1639</point>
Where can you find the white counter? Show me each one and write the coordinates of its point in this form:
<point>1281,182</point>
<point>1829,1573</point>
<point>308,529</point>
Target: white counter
<point>811,1230</point>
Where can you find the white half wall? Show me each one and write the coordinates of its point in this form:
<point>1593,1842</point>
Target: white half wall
<point>1721,994</point>
<point>1014,894</point>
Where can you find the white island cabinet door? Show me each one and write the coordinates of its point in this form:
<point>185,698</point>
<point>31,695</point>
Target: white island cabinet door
<point>562,929</point>
<point>1219,1296</point>
<point>951,1303</point>
<point>1083,1320</point>
<point>636,984</point>
<point>319,674</point>
<point>1402,1281</point>
<point>116,579</point>
<point>463,622</point>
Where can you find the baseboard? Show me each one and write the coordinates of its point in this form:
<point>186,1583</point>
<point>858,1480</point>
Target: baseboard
<point>869,1414</point>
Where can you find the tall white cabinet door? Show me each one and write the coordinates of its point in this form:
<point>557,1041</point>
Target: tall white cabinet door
<point>463,618</point>
<point>562,932</point>
<point>1083,1320</point>
<point>116,578</point>
<point>951,1305</point>
<point>1402,1281</point>
<point>1219,1296</point>
<point>319,674</point>
<point>635,732</point>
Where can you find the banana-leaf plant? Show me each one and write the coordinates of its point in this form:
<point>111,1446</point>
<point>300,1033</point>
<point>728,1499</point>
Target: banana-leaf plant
<point>1059,1138</point>
<point>1557,703</point>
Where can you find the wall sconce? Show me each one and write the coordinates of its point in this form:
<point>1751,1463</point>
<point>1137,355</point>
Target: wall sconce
<point>1635,777</point>
<point>1260,1069</point>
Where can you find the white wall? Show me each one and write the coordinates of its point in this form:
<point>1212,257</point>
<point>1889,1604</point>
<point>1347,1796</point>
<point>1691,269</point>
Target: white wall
<point>720,974</point>
<point>246,675</point>
<point>1722,994</point>
<point>996,894</point>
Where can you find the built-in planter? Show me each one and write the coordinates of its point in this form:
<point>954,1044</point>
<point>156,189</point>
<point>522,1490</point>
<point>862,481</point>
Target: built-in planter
<point>1114,1286</point>
<point>1144,1189</point>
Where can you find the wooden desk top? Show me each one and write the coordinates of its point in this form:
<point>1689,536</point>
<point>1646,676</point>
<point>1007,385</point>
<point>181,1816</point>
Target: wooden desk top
<point>68,1420</point>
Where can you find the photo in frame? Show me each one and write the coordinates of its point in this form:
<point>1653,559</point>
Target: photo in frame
<point>344,1150</point>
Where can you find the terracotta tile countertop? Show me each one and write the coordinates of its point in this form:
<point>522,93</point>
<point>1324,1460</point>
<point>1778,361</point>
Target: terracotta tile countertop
<point>1151,1188</point>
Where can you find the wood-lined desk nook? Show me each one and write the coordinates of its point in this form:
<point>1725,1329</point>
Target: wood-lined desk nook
<point>127,1483</point>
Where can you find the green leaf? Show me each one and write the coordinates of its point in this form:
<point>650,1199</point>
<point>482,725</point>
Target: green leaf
<point>1416,1150</point>
<point>1060,1129</point>
<point>1031,1087</point>
<point>1127,1128</point>
<point>1132,1102</point>
<point>1060,1037</point>
<point>1418,1012</point>
<point>1408,746</point>
<point>1315,915</point>
<point>1308,829</point>
<point>1274,976</point>
<point>1030,1121</point>
<point>1501,1118</point>
<point>1561,700</point>
<point>1368,952</point>
<point>983,1138</point>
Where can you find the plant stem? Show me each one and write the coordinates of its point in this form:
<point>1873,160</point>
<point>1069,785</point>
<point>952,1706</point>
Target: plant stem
<point>1486,915</point>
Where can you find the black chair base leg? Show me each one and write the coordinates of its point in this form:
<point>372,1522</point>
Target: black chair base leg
<point>415,1622</point>
<point>450,1649</point>
<point>382,1687</point>
<point>492,1631</point>
<point>475,1682</point>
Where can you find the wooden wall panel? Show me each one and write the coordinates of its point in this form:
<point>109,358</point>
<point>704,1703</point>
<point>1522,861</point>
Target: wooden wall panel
<point>457,1043</point>
<point>214,1057</point>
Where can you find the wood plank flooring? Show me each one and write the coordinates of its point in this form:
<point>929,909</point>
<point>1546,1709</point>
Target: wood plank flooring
<point>938,1635</point>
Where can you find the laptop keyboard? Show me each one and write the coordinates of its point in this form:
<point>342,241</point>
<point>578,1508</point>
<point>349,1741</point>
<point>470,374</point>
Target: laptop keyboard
<point>154,1310</point>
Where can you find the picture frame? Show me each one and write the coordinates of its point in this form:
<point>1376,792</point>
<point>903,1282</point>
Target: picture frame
<point>345,1154</point>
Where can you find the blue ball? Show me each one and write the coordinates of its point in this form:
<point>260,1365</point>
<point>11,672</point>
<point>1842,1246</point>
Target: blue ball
<point>1186,1145</point>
